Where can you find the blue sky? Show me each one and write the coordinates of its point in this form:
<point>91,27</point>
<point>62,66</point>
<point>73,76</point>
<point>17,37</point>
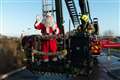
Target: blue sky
<point>19,15</point>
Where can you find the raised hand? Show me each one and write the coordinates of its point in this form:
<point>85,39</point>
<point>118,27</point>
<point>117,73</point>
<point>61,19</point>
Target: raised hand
<point>38,18</point>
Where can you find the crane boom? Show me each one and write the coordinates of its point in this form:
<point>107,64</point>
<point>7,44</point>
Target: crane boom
<point>72,12</point>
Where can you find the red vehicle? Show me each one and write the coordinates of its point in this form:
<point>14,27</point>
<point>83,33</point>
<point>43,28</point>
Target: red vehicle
<point>108,43</point>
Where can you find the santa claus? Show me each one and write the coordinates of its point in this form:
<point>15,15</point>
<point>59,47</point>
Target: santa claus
<point>48,27</point>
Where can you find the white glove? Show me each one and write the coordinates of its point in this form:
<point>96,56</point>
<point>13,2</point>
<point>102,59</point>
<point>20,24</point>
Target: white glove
<point>38,19</point>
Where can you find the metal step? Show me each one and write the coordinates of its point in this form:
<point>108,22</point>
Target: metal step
<point>54,76</point>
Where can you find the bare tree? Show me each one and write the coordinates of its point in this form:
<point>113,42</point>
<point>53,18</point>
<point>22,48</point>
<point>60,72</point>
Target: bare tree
<point>108,33</point>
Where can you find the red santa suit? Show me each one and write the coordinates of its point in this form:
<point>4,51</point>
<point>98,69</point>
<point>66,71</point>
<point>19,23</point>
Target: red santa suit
<point>48,27</point>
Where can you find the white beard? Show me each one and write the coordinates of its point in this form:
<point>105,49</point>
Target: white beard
<point>47,29</point>
<point>48,21</point>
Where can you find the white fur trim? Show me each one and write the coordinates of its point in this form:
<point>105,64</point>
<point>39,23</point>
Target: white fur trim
<point>55,27</point>
<point>36,24</point>
<point>57,31</point>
